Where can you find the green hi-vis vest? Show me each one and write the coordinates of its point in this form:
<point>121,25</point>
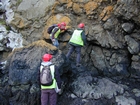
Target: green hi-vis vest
<point>76,37</point>
<point>56,34</point>
<point>53,86</point>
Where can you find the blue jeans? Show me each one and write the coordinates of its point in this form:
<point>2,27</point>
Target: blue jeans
<point>55,43</point>
<point>78,52</point>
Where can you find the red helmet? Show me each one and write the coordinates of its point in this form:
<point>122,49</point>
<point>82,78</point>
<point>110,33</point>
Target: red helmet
<point>62,26</point>
<point>81,25</point>
<point>47,57</point>
<point>63,23</point>
<point>58,24</point>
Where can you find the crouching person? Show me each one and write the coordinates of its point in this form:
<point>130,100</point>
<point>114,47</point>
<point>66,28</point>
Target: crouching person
<point>50,80</point>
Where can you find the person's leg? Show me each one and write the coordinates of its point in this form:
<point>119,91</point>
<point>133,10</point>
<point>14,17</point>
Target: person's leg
<point>44,97</point>
<point>78,51</point>
<point>70,51</point>
<point>52,40</point>
<point>56,43</point>
<point>53,97</point>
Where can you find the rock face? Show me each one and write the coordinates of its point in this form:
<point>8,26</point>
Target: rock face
<point>110,71</point>
<point>24,65</point>
<point>22,72</point>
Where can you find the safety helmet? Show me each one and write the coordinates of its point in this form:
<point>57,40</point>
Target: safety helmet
<point>58,24</point>
<point>62,26</point>
<point>47,57</point>
<point>63,23</point>
<point>81,25</point>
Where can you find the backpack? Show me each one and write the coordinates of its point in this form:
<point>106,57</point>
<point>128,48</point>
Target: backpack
<point>49,31</point>
<point>46,78</point>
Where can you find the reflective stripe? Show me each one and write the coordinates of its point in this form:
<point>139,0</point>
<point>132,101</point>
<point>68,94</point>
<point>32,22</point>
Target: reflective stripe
<point>76,37</point>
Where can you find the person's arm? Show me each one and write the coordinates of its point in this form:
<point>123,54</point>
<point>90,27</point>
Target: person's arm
<point>54,31</point>
<point>57,77</point>
<point>84,37</point>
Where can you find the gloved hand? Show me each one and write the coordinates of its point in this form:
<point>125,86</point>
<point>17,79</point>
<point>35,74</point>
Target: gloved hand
<point>58,90</point>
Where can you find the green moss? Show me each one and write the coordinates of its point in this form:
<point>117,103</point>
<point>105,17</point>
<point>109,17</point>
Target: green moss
<point>8,28</point>
<point>2,22</point>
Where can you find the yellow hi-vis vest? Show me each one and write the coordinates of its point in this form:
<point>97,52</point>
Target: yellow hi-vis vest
<point>76,38</point>
<point>56,34</point>
<point>53,86</point>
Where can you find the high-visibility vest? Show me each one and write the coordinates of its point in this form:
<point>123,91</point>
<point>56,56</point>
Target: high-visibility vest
<point>54,80</point>
<point>76,37</point>
<point>57,33</point>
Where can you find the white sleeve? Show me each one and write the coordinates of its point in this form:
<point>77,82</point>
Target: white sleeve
<point>41,67</point>
<point>52,70</point>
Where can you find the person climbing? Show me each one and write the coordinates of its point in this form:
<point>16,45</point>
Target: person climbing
<point>55,33</point>
<point>77,40</point>
<point>48,92</point>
